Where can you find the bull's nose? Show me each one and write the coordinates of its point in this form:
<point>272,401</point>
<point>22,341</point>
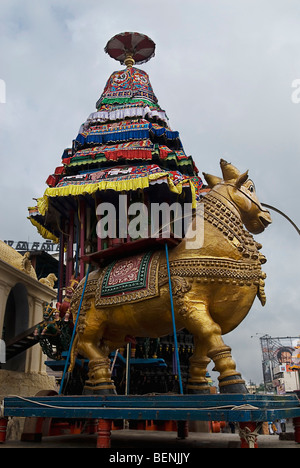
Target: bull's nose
<point>265,218</point>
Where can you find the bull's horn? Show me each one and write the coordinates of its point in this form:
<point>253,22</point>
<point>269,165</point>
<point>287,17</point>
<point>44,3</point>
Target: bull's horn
<point>212,180</point>
<point>228,170</point>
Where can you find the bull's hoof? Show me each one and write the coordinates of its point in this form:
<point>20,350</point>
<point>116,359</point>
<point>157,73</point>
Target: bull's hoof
<point>233,384</point>
<point>198,389</point>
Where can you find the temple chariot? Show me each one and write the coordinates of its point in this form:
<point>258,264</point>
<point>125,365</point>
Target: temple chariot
<point>124,160</point>
<point>114,252</point>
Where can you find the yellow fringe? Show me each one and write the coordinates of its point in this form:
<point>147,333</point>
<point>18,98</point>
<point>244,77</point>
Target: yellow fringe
<point>42,204</point>
<point>119,185</point>
<point>43,231</point>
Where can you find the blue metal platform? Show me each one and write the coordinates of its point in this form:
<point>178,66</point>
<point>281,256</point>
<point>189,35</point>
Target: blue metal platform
<point>212,407</point>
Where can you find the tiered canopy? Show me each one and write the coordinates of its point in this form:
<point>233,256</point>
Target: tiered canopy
<point>125,146</point>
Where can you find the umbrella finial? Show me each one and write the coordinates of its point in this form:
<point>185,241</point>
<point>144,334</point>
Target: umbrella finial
<point>130,48</point>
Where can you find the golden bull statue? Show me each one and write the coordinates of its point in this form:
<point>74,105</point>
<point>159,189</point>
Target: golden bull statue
<point>213,288</point>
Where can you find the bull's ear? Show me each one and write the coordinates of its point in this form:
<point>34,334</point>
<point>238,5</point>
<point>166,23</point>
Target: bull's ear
<point>241,179</point>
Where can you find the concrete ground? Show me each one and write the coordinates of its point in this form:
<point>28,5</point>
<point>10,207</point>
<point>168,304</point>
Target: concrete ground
<point>155,440</point>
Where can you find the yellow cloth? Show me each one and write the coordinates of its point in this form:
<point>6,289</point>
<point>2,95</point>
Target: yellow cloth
<point>119,185</point>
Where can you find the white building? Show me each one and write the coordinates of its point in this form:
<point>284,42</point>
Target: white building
<point>21,308</point>
<point>285,380</point>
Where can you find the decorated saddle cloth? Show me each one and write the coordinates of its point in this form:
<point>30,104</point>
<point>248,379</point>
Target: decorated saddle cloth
<point>131,279</point>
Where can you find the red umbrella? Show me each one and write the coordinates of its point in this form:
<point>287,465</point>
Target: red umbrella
<point>131,45</point>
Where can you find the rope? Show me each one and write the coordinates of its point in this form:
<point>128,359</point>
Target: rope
<point>74,331</point>
<point>248,436</point>
<point>173,320</point>
<point>282,214</point>
<point>246,406</point>
<point>47,405</point>
<point>114,361</point>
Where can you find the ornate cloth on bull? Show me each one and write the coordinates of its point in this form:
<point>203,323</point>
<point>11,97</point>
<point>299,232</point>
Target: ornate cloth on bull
<point>131,279</point>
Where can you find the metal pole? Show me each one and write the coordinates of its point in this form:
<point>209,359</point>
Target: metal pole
<point>127,380</point>
<point>173,321</point>
<point>77,246</point>
<point>82,238</point>
<point>61,267</point>
<point>74,331</point>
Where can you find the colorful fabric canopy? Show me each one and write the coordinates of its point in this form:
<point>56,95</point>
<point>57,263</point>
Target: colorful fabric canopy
<point>141,149</point>
<point>124,130</point>
<point>119,179</point>
<point>135,150</point>
<point>126,145</point>
<point>123,85</point>
<point>133,109</point>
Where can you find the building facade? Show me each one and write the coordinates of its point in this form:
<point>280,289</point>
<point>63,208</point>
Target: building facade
<point>22,297</point>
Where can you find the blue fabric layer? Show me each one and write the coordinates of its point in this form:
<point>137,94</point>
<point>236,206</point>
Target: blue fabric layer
<point>126,135</point>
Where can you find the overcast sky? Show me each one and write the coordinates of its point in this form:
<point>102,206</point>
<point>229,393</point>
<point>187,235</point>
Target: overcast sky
<point>224,73</point>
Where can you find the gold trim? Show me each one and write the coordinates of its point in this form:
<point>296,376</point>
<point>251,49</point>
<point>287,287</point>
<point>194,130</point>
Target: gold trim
<point>213,268</point>
<point>231,226</point>
<point>100,387</point>
<point>231,382</point>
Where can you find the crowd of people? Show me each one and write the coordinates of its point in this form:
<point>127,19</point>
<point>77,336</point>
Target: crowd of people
<point>277,427</point>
